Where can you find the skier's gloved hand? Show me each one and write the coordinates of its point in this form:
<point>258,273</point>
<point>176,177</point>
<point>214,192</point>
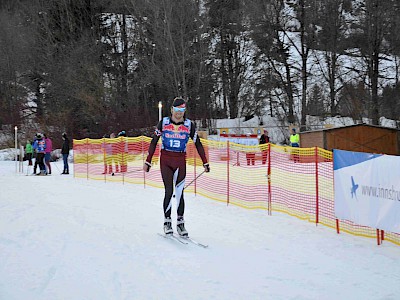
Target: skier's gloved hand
<point>206,167</point>
<point>146,166</point>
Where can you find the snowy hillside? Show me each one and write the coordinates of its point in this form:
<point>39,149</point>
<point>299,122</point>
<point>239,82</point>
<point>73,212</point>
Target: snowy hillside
<point>66,238</point>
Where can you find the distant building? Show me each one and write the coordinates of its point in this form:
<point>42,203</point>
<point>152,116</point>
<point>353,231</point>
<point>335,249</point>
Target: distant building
<point>359,137</point>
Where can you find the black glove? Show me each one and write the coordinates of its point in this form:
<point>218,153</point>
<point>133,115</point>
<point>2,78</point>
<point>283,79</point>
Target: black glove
<point>146,166</point>
<point>206,167</point>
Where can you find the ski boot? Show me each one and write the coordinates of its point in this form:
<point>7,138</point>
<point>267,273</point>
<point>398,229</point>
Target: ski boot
<point>168,226</point>
<point>180,227</point>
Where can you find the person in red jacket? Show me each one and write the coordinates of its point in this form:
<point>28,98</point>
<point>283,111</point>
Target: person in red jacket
<point>175,132</point>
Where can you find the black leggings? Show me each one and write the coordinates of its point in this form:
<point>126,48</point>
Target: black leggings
<point>40,161</point>
<point>173,169</point>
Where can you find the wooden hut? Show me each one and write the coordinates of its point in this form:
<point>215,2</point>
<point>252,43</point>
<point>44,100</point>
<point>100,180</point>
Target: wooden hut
<point>359,137</point>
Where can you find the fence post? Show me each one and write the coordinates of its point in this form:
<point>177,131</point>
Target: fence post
<point>144,173</point>
<point>378,237</point>
<point>122,162</point>
<point>74,157</point>
<point>316,188</point>
<point>227,168</point>
<point>195,165</point>
<point>87,158</point>
<point>269,180</point>
<point>21,159</point>
<point>105,159</point>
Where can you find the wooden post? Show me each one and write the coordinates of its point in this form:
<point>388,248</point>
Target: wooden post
<point>337,227</point>
<point>378,237</point>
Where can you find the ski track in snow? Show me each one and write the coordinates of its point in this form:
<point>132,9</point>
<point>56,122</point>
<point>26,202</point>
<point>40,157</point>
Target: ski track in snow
<point>67,238</point>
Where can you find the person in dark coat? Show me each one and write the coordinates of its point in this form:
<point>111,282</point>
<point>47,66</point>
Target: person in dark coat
<point>264,139</point>
<point>65,153</point>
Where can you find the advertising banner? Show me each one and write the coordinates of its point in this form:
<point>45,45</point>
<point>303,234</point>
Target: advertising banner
<point>243,139</point>
<point>367,189</point>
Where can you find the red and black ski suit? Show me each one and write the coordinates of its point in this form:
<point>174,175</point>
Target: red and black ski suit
<point>173,158</point>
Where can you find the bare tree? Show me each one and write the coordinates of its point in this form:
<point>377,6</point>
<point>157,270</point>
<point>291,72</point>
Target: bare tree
<point>171,50</point>
<point>305,12</point>
<point>227,22</point>
<point>270,23</point>
<point>371,32</point>
<point>331,39</point>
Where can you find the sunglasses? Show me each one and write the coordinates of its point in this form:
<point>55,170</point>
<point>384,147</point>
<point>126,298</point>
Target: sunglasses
<point>180,109</point>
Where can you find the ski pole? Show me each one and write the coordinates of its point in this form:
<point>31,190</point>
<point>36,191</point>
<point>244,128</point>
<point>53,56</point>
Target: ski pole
<point>134,171</point>
<point>193,180</point>
<point>55,163</point>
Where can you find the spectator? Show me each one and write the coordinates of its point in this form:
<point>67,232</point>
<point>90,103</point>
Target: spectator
<point>295,142</point>
<point>47,155</point>
<point>264,139</point>
<point>29,152</point>
<point>40,149</point>
<point>294,139</point>
<point>65,153</point>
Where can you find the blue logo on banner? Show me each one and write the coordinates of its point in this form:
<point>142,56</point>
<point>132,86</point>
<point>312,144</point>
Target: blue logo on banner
<point>354,188</point>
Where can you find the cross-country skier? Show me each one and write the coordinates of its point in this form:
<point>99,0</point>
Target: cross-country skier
<point>175,132</point>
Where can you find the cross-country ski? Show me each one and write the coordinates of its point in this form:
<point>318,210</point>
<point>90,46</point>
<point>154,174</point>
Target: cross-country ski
<point>183,240</point>
<point>173,237</point>
<point>194,242</point>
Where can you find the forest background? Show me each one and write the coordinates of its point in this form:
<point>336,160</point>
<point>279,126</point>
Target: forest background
<point>90,67</point>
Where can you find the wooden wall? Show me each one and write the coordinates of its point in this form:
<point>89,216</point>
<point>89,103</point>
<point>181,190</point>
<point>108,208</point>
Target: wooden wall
<point>363,139</point>
<point>360,138</point>
<point>312,139</point>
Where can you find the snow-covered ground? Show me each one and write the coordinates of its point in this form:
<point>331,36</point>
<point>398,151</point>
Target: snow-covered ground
<point>67,238</point>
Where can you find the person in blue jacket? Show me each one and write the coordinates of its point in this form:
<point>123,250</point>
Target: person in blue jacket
<point>40,148</point>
